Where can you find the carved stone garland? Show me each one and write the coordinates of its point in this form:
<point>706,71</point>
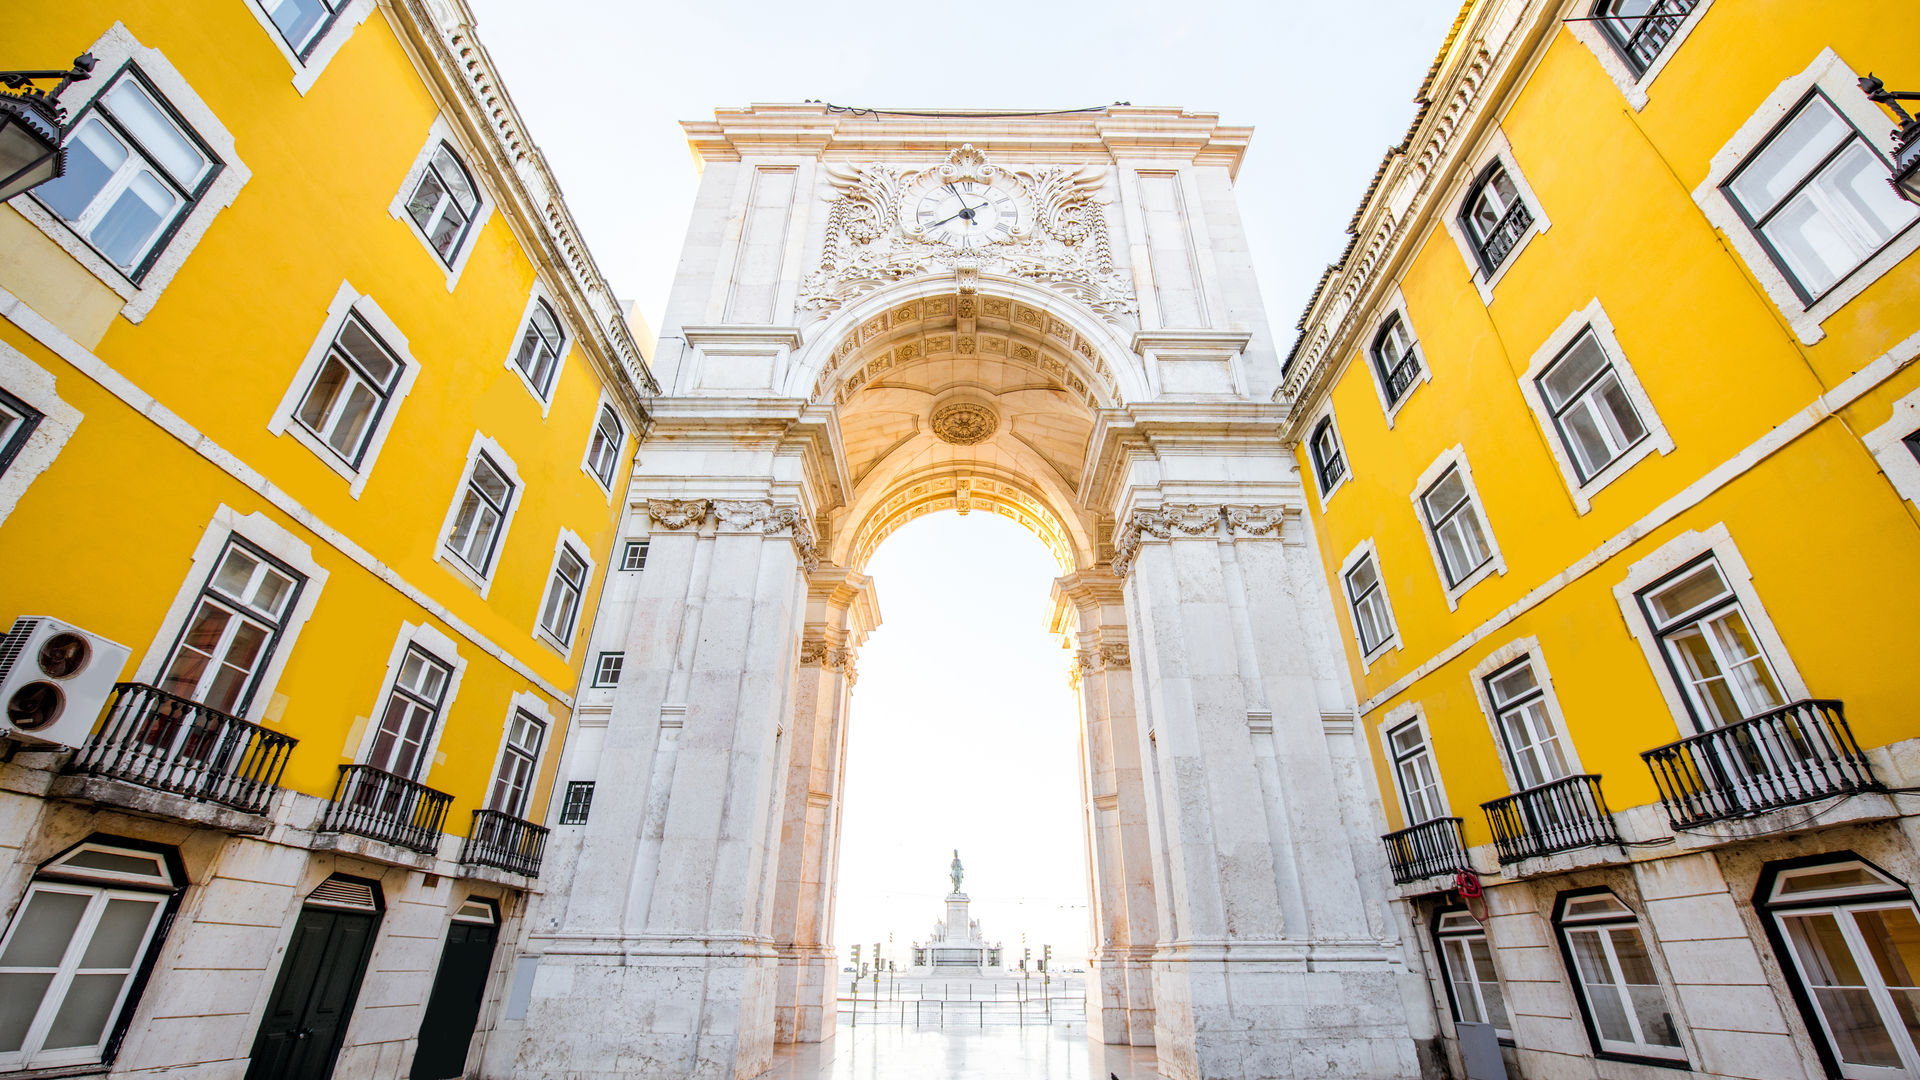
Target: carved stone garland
<point>1193,519</point>
<point>739,515</point>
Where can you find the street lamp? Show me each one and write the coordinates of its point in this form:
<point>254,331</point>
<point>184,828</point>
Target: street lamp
<point>31,125</point>
<point>1906,137</point>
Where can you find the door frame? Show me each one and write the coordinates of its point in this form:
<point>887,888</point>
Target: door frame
<point>378,915</point>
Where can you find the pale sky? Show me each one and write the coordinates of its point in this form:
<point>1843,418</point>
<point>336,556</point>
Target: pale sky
<point>963,732</point>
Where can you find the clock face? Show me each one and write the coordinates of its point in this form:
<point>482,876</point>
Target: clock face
<point>967,214</point>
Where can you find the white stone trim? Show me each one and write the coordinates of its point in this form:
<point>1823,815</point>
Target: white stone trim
<point>1365,550</point>
<point>1884,442</point>
<point>535,296</point>
<point>1496,148</point>
<point>307,72</point>
<point>35,385</point>
<point>1456,456</point>
<point>566,538</point>
<point>346,299</point>
<point>264,533</point>
<point>606,402</point>
<point>442,648</point>
<point>1410,712</point>
<point>115,48</point>
<point>442,131</point>
<point>441,553</point>
<point>537,706</point>
<point>1632,87</point>
<point>1830,74</point>
<point>1396,304</point>
<point>1657,437</point>
<point>1666,559</point>
<point>1528,649</point>
<point>1346,460</point>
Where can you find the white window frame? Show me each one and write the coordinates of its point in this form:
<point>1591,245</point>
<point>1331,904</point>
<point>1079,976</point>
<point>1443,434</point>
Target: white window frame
<point>444,555</point>
<point>285,417</point>
<point>1455,456</point>
<point>535,706</point>
<point>1396,305</point>
<point>262,532</point>
<point>535,297</point>
<point>1663,561</point>
<point>1643,1049</point>
<point>441,647</point>
<point>1840,84</point>
<point>35,386</point>
<point>1632,87</point>
<point>1887,444</point>
<point>114,49</point>
<point>1442,935</point>
<point>442,131</point>
<point>1400,716</point>
<point>1365,550</point>
<point>620,452</point>
<point>599,666</point>
<point>1512,653</point>
<point>321,50</point>
<point>1465,184</point>
<point>626,550</point>
<point>568,539</point>
<point>1593,317</point>
<point>1313,462</point>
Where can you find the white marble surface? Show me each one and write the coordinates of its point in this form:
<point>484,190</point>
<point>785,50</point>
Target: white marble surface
<point>1061,1052</point>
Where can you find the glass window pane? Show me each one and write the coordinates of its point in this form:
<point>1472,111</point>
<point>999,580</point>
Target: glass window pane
<point>1362,577</point>
<point>123,232</point>
<point>271,593</point>
<point>1575,368</point>
<point>446,234</point>
<point>1700,586</point>
<point>454,175</point>
<point>366,351</point>
<point>84,1014</point>
<point>1489,982</point>
<point>93,155</point>
<point>351,426</point>
<point>426,198</point>
<point>1599,987</point>
<point>1459,974</point>
<point>1445,494</point>
<point>1623,422</point>
<point>41,932</point>
<point>297,19</point>
<point>1832,972</point>
<point>234,573</point>
<point>1512,684</point>
<point>1789,156</point>
<point>156,132</point>
<point>121,931</point>
<point>20,996</point>
<point>489,480</point>
<point>322,394</point>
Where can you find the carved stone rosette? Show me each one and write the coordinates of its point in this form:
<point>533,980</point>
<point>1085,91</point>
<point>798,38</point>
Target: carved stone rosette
<point>672,515</point>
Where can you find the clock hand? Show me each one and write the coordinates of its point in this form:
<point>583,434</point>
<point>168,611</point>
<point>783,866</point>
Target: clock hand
<point>944,220</point>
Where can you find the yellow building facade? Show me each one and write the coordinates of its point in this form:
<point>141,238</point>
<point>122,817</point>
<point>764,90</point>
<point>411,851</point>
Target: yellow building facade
<point>1609,414</point>
<point>316,419</point>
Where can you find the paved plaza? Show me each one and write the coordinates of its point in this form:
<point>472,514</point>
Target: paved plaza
<point>873,1052</point>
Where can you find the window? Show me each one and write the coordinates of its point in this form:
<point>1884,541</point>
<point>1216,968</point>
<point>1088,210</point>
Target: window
<point>564,589</point>
<point>1591,410</point>
<point>1710,646</point>
<point>413,712</point>
<point>1372,622</point>
<point>603,449</point>
<point>518,760</point>
<point>444,203</point>
<point>17,421</point>
<point>1472,985</point>
<point>635,556</point>
<point>1640,29</point>
<point>1394,359</point>
<point>483,510</point>
<point>538,353</point>
<point>134,171</point>
<point>1911,441</point>
<point>1621,998</point>
<point>606,672</point>
<point>1494,217</point>
<point>1850,938</point>
<point>233,631</point>
<point>579,802</point>
<point>1816,194</point>
<point>302,22</point>
<point>1527,730</point>
<point>1413,768</point>
<point>350,392</point>
<point>1328,464</point>
<point>1454,522</point>
<point>71,960</point>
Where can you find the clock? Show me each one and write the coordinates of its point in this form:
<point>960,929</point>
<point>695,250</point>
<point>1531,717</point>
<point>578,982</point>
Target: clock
<point>966,214</point>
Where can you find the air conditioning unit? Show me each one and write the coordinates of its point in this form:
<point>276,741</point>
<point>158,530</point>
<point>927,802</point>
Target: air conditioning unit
<point>54,680</point>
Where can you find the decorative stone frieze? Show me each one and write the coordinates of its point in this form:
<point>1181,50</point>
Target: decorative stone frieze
<point>672,515</point>
<point>1194,519</point>
<point>817,652</point>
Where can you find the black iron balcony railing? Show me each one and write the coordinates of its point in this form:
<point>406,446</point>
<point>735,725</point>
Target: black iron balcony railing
<point>1559,815</point>
<point>1400,379</point>
<point>505,842</point>
<point>1794,754</point>
<point>1498,243</point>
<point>1425,850</point>
<point>377,804</point>
<point>1642,41</point>
<point>169,743</point>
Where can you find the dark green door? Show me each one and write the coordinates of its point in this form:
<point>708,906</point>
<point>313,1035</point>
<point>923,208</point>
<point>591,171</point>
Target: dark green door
<point>454,1007</point>
<point>307,1017</point>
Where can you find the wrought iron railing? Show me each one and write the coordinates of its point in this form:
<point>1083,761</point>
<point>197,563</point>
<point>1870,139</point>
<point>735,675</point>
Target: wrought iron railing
<point>1641,43</point>
<point>1495,247</point>
<point>1400,379</point>
<point>377,804</point>
<point>1559,815</point>
<point>1794,754</point>
<point>173,744</point>
<point>1425,850</point>
<point>504,842</point>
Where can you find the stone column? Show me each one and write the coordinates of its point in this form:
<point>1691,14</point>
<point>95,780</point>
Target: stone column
<point>669,915</point>
<point>1089,614</point>
<point>841,611</point>
<point>1275,959</point>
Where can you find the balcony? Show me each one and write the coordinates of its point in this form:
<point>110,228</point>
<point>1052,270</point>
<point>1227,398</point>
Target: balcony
<point>168,743</point>
<point>1426,850</point>
<point>1641,43</point>
<point>504,842</point>
<point>1499,243</point>
<point>1401,378</point>
<point>1792,755</point>
<point>1559,815</point>
<point>378,805</point>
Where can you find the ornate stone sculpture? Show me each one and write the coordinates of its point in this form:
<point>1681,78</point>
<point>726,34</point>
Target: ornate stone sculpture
<point>957,871</point>
<point>963,423</point>
<point>674,514</point>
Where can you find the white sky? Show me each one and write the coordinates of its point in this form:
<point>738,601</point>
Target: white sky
<point>963,734</point>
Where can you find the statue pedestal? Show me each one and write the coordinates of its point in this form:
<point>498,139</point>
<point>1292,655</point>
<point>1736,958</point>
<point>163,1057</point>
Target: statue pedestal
<point>955,946</point>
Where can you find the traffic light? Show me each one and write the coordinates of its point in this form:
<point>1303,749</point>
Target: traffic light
<point>856,958</point>
<point>876,956</point>
<point>1046,956</point>
<point>1025,955</point>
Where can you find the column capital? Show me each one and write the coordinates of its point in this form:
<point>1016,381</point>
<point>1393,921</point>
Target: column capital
<point>763,516</point>
<point>1175,520</point>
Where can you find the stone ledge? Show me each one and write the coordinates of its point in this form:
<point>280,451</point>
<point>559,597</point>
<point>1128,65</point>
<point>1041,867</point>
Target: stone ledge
<point>132,798</point>
<point>361,847</point>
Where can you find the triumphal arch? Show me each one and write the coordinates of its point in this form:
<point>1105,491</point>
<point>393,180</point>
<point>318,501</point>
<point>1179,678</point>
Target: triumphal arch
<point>1047,316</point>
